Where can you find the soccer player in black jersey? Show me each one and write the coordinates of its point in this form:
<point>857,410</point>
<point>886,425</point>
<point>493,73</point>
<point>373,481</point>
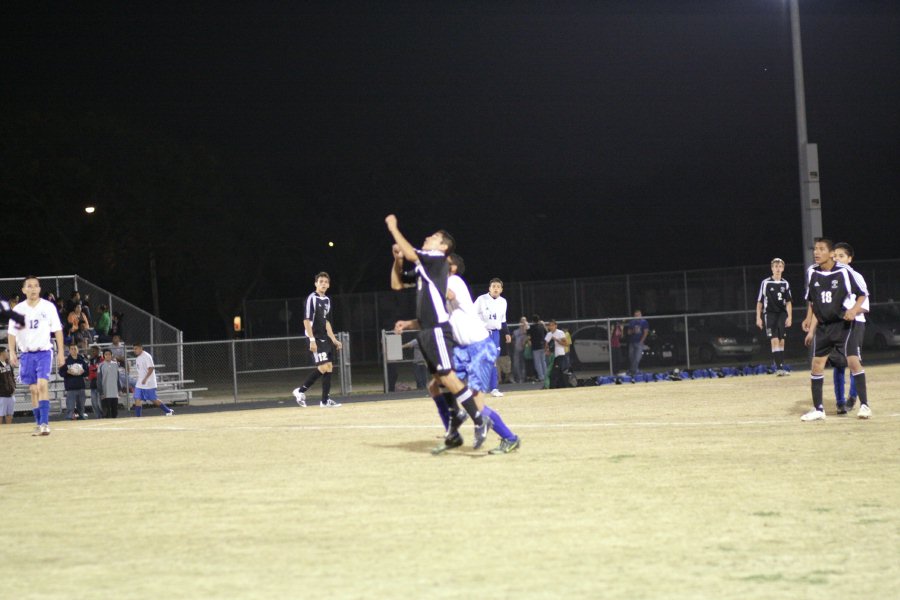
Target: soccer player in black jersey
<point>322,342</point>
<point>433,322</point>
<point>836,295</point>
<point>773,312</point>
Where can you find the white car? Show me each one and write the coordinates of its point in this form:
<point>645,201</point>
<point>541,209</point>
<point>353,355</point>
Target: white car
<point>590,344</point>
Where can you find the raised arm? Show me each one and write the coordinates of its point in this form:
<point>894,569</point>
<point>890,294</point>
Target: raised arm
<point>407,249</point>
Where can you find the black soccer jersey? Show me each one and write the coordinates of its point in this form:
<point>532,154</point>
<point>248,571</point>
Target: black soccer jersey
<point>774,295</point>
<point>431,288</point>
<point>317,311</point>
<point>832,292</point>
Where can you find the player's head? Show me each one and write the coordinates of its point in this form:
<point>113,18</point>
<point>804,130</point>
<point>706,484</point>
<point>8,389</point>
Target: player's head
<point>823,250</point>
<point>31,287</point>
<point>777,266</point>
<point>457,264</point>
<point>440,240</point>
<point>138,348</point>
<point>73,350</point>
<point>495,288</point>
<point>843,252</point>
<point>323,282</point>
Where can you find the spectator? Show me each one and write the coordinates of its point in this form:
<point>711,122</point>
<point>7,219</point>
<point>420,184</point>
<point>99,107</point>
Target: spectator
<point>555,343</point>
<point>84,337</point>
<point>75,319</point>
<point>504,361</point>
<point>61,310</point>
<point>536,333</point>
<point>638,329</point>
<point>7,387</point>
<point>86,307</point>
<point>94,362</point>
<point>118,352</point>
<point>615,346</point>
<point>108,385</point>
<point>73,372</point>
<point>115,325</point>
<point>74,300</point>
<point>519,336</point>
<point>104,322</point>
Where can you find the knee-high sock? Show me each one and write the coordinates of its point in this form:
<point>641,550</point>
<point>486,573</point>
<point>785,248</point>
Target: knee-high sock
<point>45,411</point>
<point>443,410</point>
<point>839,385</point>
<point>310,380</point>
<point>860,379</point>
<point>778,357</point>
<point>464,397</point>
<point>138,410</point>
<point>326,385</point>
<point>36,411</point>
<point>817,382</point>
<point>498,424</point>
<point>852,393</point>
<point>164,408</point>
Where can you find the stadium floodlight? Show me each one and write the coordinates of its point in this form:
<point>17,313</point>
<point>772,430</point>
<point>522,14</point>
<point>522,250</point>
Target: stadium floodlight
<point>89,210</point>
<point>808,154</point>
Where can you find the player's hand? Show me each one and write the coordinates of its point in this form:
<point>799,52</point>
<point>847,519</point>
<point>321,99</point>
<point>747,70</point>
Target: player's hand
<point>400,326</point>
<point>312,345</point>
<point>508,338</point>
<point>338,345</point>
<point>807,341</point>
<point>805,325</point>
<point>13,359</point>
<point>851,314</point>
<point>397,252</point>
<point>391,221</point>
<point>788,322</point>
<point>758,322</point>
<point>60,360</point>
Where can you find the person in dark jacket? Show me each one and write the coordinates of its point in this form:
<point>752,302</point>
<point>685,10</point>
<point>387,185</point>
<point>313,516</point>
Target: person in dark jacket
<point>7,387</point>
<point>73,373</point>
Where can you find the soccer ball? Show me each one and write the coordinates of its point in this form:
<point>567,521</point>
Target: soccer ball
<point>76,369</point>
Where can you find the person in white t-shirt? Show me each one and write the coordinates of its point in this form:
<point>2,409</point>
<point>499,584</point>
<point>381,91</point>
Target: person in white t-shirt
<point>145,386</point>
<point>556,341</point>
<point>39,323</point>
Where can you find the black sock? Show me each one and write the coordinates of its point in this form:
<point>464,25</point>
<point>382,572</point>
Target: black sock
<point>778,357</point>
<point>817,382</point>
<point>310,380</point>
<point>326,386</point>
<point>860,379</point>
<point>468,402</point>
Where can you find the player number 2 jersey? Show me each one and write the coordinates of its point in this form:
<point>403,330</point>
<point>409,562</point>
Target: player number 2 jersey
<point>774,295</point>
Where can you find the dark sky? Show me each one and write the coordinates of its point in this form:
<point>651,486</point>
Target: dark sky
<point>552,138</point>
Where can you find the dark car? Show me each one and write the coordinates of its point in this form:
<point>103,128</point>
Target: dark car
<point>711,339</point>
<point>882,328</point>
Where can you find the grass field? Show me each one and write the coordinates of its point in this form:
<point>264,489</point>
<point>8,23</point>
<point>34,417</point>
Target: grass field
<point>694,489</point>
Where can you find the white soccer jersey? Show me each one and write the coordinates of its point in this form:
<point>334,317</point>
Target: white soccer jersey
<point>143,363</point>
<point>467,327</point>
<point>861,282</point>
<point>41,322</point>
<point>492,311</point>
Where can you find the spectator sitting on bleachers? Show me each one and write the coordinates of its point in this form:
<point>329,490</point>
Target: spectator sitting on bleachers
<point>75,319</point>
<point>103,324</point>
<point>115,326</point>
<point>84,337</point>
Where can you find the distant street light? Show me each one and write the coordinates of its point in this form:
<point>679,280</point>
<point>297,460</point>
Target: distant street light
<point>331,244</point>
<point>89,210</point>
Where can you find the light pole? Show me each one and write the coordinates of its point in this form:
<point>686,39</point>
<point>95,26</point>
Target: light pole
<point>808,154</point>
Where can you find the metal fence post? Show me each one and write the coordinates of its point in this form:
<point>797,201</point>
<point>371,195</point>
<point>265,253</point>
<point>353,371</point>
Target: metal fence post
<point>234,370</point>
<point>384,365</point>
<point>687,343</point>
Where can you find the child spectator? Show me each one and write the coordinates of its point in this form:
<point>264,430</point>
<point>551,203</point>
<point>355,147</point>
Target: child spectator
<point>94,362</point>
<point>7,387</point>
<point>73,372</point>
<point>108,385</point>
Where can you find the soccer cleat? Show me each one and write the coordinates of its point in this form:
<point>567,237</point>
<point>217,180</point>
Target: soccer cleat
<point>814,415</point>
<point>452,442</point>
<point>851,402</point>
<point>506,446</point>
<point>496,393</point>
<point>300,397</point>
<point>481,433</point>
<point>36,430</point>
<point>780,373</point>
<point>45,429</point>
<point>329,404</point>
<point>785,373</point>
<point>864,412</point>
<point>841,409</point>
<point>170,413</point>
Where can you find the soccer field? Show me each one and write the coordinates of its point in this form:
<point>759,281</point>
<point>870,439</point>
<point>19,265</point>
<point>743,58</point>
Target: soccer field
<point>692,489</point>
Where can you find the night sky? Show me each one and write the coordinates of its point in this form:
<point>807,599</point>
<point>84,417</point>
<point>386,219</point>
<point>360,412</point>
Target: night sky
<point>553,139</point>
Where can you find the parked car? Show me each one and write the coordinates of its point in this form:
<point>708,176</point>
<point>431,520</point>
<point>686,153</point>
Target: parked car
<point>882,328</point>
<point>590,345</point>
<point>717,338</point>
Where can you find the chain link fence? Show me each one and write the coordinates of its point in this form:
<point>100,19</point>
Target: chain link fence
<point>669,293</point>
